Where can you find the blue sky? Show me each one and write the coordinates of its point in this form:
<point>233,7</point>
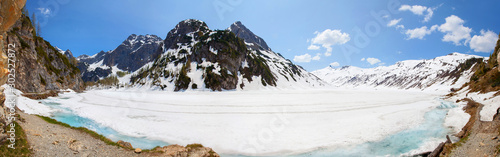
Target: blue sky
<point>312,33</point>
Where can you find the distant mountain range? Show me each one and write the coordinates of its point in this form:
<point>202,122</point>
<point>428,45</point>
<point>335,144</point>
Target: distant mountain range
<point>441,73</point>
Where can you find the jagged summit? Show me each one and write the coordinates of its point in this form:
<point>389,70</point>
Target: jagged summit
<point>187,26</point>
<point>243,32</point>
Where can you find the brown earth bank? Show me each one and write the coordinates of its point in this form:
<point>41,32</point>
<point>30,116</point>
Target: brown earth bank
<point>477,138</point>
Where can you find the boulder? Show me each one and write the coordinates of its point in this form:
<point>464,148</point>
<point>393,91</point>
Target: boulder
<point>138,150</point>
<point>125,144</point>
<point>195,150</point>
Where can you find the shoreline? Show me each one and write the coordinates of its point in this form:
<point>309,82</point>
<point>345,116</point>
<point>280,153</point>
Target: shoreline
<point>47,139</point>
<point>477,138</point>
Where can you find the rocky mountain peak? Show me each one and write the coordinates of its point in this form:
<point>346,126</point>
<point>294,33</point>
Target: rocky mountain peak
<point>243,32</point>
<point>188,26</point>
<point>134,41</point>
<point>68,54</point>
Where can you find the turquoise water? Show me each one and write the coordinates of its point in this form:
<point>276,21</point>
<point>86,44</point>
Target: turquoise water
<point>67,116</point>
<point>393,145</point>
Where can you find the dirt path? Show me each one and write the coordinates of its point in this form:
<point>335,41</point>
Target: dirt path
<point>48,139</point>
<point>482,139</point>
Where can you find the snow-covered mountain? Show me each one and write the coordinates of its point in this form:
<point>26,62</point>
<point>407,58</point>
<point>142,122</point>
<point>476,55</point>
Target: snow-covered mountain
<point>133,53</point>
<point>195,57</point>
<point>441,73</point>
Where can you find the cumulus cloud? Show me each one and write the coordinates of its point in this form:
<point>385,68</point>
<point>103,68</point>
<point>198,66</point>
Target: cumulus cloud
<point>455,30</point>
<point>305,58</point>
<point>328,38</point>
<point>327,54</point>
<point>485,42</point>
<point>44,11</point>
<point>429,14</point>
<point>419,10</point>
<point>317,57</point>
<point>335,64</point>
<point>393,22</point>
<point>372,61</point>
<point>419,33</point>
<point>313,47</point>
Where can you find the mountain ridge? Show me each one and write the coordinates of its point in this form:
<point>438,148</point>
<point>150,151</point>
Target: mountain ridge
<point>452,70</point>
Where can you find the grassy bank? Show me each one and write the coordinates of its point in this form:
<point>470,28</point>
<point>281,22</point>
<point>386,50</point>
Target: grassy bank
<point>21,146</point>
<point>85,130</point>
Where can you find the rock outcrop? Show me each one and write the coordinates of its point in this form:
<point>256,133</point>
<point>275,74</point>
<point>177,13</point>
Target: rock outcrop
<point>190,150</point>
<point>40,66</point>
<point>497,52</point>
<point>10,11</point>
<point>244,33</point>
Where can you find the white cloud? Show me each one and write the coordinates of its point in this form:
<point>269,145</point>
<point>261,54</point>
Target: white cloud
<point>306,58</point>
<point>419,33</point>
<point>393,22</point>
<point>428,17</point>
<point>415,9</point>
<point>419,10</point>
<point>372,61</point>
<point>317,57</point>
<point>400,27</point>
<point>455,30</point>
<point>327,54</point>
<point>313,47</point>
<point>485,42</point>
<point>335,64</point>
<point>328,38</point>
<point>44,11</point>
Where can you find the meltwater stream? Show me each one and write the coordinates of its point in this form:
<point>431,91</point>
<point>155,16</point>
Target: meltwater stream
<point>393,145</point>
<point>67,116</point>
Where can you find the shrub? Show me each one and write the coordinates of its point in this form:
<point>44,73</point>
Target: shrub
<point>194,86</point>
<point>42,81</point>
<point>121,73</point>
<point>22,146</point>
<point>109,81</point>
<point>183,80</point>
<point>194,146</point>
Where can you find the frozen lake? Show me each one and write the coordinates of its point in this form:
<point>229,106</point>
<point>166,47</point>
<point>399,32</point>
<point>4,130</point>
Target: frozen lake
<point>261,123</point>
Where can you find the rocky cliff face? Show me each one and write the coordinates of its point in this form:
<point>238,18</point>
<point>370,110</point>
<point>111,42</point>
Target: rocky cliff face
<point>10,11</point>
<point>195,57</point>
<point>497,52</point>
<point>244,33</point>
<point>40,66</point>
